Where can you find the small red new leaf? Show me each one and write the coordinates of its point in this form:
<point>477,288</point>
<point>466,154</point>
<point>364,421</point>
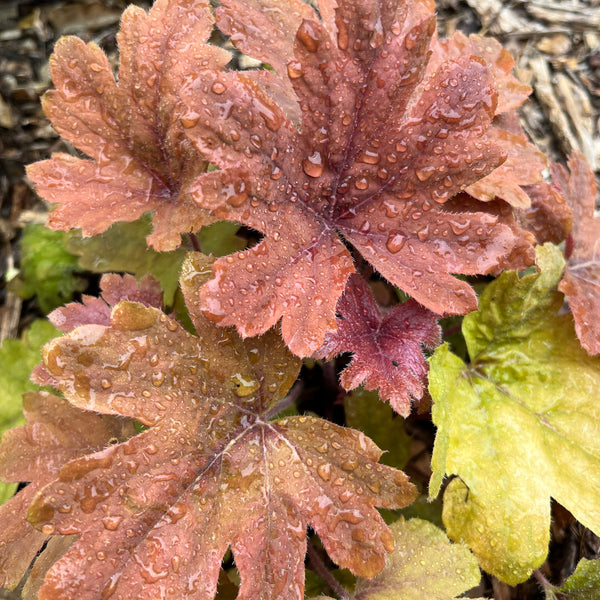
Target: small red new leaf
<point>54,434</point>
<point>581,281</point>
<point>387,350</point>
<point>157,512</point>
<point>141,160</point>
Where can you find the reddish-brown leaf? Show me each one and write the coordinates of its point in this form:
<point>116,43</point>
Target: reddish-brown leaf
<point>55,433</point>
<point>378,153</point>
<point>581,281</point>
<point>141,160</point>
<point>549,217</point>
<point>156,513</point>
<point>387,349</point>
<point>524,162</point>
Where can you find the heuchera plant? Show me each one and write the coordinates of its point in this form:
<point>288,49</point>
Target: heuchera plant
<point>365,155</point>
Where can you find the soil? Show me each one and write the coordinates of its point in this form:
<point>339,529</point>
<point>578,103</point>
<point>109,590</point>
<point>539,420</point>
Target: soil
<point>556,47</point>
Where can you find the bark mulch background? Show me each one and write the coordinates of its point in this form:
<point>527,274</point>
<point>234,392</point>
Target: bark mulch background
<point>556,46</point>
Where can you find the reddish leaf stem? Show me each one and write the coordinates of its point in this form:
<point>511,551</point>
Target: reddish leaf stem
<point>285,402</point>
<point>195,242</point>
<point>325,574</point>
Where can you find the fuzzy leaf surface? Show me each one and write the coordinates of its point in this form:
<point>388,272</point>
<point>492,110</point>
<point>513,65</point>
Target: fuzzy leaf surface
<point>140,158</point>
<point>158,512</point>
<point>55,432</point>
<point>387,350</point>
<point>424,565</point>
<point>581,283</point>
<point>518,425</point>
<point>377,154</point>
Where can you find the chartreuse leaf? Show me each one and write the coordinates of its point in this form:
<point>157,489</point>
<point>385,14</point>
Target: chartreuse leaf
<point>584,584</point>
<point>518,425</point>
<point>424,565</point>
<point>17,358</point>
<point>48,270</point>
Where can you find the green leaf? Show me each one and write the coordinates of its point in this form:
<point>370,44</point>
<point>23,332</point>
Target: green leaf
<point>365,411</point>
<point>7,491</point>
<point>519,424</point>
<point>584,584</point>
<point>220,239</point>
<point>48,270</point>
<point>123,248</point>
<point>17,358</point>
<point>424,565</point>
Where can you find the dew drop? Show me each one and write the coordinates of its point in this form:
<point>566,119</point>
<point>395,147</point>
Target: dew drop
<point>190,120</point>
<point>362,183</point>
<point>307,36</point>
<point>349,465</point>
<point>105,383</point>
<point>369,157</point>
<point>324,471</point>
<point>425,173</point>
<point>294,69</point>
<point>358,535</point>
<point>111,523</point>
<point>375,486</point>
<point>218,87</point>
<point>313,165</point>
<point>48,529</point>
<point>395,242</point>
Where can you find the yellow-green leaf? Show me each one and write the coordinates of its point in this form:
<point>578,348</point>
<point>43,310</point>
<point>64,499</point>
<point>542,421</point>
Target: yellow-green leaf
<point>518,425</point>
<point>424,565</point>
<point>584,584</point>
<point>17,358</point>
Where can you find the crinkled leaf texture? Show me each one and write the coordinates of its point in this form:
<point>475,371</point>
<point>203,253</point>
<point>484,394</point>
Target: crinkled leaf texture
<point>379,150</point>
<point>519,424</point>
<point>424,565</point>
<point>581,283</point>
<point>156,513</point>
<point>387,349</point>
<point>55,433</point>
<point>141,160</point>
